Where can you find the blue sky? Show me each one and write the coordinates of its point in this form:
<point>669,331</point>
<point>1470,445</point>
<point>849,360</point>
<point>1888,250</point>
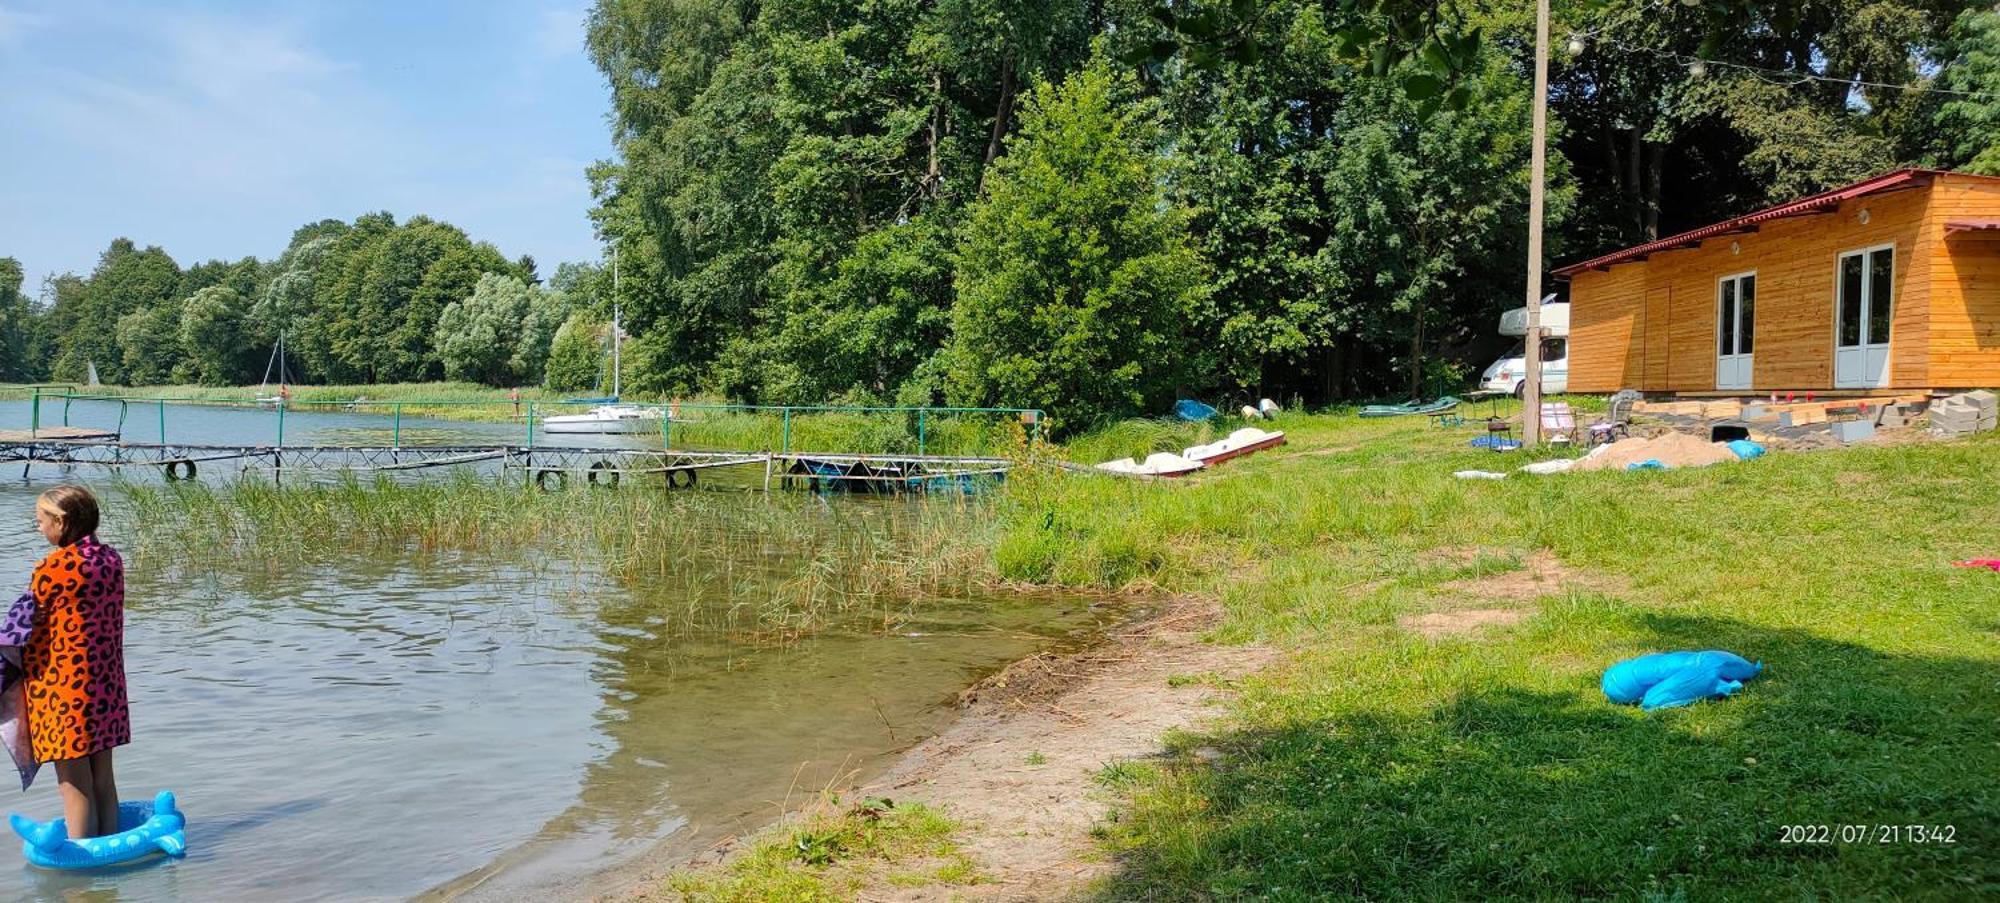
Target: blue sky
<point>214,129</point>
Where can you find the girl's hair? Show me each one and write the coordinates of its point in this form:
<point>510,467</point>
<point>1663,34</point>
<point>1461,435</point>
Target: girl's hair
<point>78,509</point>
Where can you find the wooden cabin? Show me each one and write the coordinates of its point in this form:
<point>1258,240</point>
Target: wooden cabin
<point>1891,283</point>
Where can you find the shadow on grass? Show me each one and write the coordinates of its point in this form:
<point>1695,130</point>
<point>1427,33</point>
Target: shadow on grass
<point>1512,792</point>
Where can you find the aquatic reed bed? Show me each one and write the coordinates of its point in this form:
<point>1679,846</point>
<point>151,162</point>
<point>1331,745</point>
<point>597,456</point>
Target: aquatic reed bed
<point>767,568</point>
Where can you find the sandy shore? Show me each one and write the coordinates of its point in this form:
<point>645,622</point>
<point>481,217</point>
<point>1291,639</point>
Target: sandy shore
<point>1027,826</point>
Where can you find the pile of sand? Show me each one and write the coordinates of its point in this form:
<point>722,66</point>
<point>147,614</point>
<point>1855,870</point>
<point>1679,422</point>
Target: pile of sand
<point>1671,449</point>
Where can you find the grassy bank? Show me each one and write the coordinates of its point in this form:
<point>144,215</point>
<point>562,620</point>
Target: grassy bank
<point>832,852</point>
<point>1440,733</point>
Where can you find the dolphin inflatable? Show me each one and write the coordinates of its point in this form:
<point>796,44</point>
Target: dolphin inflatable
<point>144,829</point>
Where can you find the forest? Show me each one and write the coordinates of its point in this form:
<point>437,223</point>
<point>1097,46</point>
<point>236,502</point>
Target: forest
<point>1090,207</point>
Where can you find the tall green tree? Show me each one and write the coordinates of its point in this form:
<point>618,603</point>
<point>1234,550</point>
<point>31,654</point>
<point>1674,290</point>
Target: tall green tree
<point>500,335</point>
<point>1678,115</point>
<point>1077,289</point>
<point>126,280</point>
<point>149,346</point>
<point>576,354</point>
<point>17,326</point>
<point>1968,122</point>
<point>214,323</point>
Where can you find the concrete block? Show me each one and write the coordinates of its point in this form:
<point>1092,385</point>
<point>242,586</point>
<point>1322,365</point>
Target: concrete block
<point>1853,430</point>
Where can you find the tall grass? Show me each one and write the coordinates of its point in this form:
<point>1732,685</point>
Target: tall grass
<point>769,568</point>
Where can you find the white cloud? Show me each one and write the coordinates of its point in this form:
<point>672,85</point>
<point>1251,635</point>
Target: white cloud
<point>15,24</point>
<point>223,105</point>
<point>215,133</point>
<point>230,58</point>
<point>559,30</point>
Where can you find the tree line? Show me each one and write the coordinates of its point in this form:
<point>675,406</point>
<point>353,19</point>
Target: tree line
<point>371,301</point>
<point>1095,206</point>
<point>1090,206</point>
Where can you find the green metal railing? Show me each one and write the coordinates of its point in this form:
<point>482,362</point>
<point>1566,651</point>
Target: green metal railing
<point>1032,419</point>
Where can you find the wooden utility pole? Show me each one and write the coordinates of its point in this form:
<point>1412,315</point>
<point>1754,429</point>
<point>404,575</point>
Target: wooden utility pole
<point>1531,382</point>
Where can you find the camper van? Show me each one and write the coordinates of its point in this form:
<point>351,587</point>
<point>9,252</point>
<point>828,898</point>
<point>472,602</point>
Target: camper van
<point>1511,370</point>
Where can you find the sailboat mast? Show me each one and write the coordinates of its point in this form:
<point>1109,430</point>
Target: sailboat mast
<point>615,393</point>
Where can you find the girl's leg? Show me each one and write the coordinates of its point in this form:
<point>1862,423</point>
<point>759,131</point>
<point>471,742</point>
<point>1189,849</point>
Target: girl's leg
<point>78,785</point>
<point>104,792</point>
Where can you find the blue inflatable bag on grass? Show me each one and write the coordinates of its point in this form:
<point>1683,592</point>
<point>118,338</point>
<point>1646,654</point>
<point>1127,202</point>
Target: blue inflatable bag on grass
<point>1665,680</point>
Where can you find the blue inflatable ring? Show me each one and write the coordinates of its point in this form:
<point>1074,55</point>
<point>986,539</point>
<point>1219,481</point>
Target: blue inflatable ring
<point>143,829</point>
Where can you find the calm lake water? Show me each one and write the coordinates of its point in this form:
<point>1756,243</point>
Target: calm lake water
<point>407,724</point>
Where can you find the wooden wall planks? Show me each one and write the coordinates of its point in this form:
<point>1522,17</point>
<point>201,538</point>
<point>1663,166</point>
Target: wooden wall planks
<point>1651,324</point>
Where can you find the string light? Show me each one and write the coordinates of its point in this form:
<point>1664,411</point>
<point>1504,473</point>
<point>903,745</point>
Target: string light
<point>1698,67</point>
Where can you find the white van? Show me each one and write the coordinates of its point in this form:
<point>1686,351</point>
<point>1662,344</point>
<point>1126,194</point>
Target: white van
<point>1511,370</point>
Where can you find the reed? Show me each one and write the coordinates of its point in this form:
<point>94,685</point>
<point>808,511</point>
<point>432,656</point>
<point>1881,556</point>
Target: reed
<point>766,569</point>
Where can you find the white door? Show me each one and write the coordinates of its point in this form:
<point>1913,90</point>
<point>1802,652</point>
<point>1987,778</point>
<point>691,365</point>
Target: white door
<point>1863,311</point>
<point>1735,330</point>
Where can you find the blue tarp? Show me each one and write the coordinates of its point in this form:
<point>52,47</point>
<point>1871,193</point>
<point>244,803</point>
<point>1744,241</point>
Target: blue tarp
<point>1666,680</point>
<point>1191,410</point>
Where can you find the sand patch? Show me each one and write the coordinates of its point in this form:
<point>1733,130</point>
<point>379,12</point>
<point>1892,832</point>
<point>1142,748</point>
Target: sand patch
<point>1453,623</point>
<point>1027,826</point>
<point>1672,449</point>
<point>1541,574</point>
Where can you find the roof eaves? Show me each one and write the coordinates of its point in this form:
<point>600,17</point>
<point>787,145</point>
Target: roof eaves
<point>1817,203</point>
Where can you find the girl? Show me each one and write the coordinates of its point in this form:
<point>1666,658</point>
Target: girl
<point>75,659</point>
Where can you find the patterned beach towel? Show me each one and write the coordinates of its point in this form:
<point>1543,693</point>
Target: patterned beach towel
<point>14,630</point>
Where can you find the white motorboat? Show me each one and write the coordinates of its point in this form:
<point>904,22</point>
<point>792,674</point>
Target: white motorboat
<point>605,418</point>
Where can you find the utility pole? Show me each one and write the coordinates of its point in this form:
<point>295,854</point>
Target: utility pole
<point>1531,382</point>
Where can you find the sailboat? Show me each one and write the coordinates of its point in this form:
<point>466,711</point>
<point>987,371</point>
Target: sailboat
<point>612,417</point>
<point>284,376</point>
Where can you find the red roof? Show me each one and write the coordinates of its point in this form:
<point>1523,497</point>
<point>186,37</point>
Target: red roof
<point>1818,203</point>
<point>1954,226</point>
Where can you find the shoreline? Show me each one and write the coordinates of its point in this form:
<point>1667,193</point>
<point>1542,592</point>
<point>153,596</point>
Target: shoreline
<point>1016,768</point>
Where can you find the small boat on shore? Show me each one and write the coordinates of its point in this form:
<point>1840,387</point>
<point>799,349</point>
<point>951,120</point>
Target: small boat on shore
<point>1157,464</point>
<point>1237,444</point>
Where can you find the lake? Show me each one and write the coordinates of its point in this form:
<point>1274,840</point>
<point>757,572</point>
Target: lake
<point>389,724</point>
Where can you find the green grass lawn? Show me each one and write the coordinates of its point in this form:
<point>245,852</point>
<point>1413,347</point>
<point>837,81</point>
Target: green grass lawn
<point>1384,763</point>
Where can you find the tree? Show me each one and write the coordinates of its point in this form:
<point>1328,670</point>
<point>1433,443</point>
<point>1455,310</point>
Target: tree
<point>547,310</point>
<point>1969,122</point>
<point>212,328</point>
<point>149,346</point>
<point>16,324</point>
<point>127,280</point>
<point>479,338</point>
<point>576,354</point>
<point>1076,288</point>
<point>1785,109</point>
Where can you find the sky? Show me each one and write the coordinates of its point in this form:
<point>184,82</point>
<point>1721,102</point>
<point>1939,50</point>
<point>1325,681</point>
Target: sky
<point>214,129</point>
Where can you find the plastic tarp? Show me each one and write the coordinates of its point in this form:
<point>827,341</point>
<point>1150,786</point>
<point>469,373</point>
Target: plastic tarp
<point>1665,680</point>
